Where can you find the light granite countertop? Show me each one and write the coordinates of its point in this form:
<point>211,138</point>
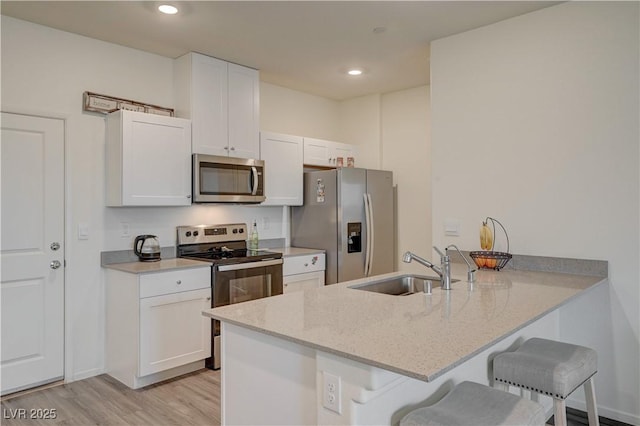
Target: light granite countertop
<point>397,332</point>
<point>159,266</point>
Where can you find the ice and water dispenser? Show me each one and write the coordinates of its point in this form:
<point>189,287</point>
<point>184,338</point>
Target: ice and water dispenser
<point>354,242</point>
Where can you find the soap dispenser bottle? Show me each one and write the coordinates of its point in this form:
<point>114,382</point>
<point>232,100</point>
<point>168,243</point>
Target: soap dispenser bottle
<point>253,238</point>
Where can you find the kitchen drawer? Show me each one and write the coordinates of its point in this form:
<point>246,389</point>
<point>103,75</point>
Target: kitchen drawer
<point>175,281</point>
<point>303,264</point>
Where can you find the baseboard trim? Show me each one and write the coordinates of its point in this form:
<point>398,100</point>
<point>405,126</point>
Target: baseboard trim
<point>579,417</point>
<point>81,375</point>
<point>621,417</point>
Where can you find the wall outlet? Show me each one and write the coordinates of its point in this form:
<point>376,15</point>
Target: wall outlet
<point>331,393</point>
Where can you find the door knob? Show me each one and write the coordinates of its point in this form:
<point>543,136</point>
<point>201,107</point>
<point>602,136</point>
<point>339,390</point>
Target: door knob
<point>55,264</point>
<point>55,246</point>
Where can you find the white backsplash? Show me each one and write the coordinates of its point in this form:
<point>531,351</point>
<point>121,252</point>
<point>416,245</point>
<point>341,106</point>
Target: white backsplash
<point>162,221</point>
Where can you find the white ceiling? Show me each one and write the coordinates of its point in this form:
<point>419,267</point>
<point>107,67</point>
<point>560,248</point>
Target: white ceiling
<point>303,45</point>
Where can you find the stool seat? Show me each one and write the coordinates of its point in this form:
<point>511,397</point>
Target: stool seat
<point>546,366</point>
<point>475,404</point>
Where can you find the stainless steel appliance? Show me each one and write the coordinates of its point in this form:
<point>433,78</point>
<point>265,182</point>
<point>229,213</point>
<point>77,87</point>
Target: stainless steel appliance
<point>218,179</point>
<point>237,274</point>
<point>147,248</point>
<point>349,213</point>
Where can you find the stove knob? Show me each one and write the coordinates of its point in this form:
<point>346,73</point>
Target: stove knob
<point>235,231</point>
<point>188,234</point>
<point>241,230</point>
<point>195,233</point>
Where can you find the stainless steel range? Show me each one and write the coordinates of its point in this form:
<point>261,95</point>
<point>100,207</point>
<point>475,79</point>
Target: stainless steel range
<point>237,274</point>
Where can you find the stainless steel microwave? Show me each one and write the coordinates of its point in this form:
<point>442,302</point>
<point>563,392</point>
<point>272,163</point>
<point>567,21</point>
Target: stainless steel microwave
<point>218,179</point>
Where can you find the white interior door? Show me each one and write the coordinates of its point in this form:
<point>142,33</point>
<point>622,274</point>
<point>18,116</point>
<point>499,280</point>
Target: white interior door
<point>32,251</point>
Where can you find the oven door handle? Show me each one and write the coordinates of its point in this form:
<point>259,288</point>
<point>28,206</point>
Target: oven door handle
<point>250,265</point>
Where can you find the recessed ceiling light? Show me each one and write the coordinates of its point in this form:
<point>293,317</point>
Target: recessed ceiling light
<point>354,72</point>
<point>168,9</point>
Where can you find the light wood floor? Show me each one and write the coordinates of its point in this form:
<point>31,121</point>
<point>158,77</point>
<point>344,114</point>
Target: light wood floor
<point>193,399</point>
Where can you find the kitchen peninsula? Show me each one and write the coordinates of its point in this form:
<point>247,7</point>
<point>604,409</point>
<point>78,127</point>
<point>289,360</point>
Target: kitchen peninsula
<point>339,355</point>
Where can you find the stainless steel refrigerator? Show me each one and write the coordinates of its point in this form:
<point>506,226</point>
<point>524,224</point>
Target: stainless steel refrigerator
<point>349,213</point>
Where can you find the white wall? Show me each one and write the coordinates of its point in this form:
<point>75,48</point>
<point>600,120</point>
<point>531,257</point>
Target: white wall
<point>360,124</point>
<point>406,150</point>
<point>288,111</point>
<point>535,122</point>
<point>45,72</point>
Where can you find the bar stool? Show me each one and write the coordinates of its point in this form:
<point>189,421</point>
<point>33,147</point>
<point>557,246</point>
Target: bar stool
<point>475,404</point>
<point>550,368</point>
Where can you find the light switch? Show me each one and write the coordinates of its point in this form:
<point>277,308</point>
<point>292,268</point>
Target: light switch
<point>83,231</point>
<point>452,227</point>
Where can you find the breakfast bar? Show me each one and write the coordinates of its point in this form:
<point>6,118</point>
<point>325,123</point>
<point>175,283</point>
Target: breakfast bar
<point>343,355</point>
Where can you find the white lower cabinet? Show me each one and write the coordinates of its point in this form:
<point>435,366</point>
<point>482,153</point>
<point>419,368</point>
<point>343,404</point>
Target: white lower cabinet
<point>155,326</point>
<point>302,272</point>
<point>300,282</point>
<point>172,330</point>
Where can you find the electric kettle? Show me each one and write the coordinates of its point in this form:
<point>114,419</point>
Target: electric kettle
<point>147,248</point>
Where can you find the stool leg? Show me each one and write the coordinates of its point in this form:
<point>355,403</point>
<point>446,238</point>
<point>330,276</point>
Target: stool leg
<point>559,412</point>
<point>535,396</point>
<point>592,408</point>
<point>500,386</point>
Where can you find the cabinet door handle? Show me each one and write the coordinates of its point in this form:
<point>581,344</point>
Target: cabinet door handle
<point>226,148</point>
<point>233,148</point>
<point>208,298</point>
<point>179,282</point>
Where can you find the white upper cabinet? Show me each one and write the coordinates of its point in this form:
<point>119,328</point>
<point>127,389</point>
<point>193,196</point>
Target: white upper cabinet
<point>283,180</point>
<point>148,160</point>
<point>222,100</point>
<point>318,152</point>
<point>244,115</point>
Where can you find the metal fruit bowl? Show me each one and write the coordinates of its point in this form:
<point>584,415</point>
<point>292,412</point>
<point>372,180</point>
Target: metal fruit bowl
<point>490,259</point>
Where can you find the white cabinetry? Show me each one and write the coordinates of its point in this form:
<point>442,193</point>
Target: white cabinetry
<point>222,100</point>
<point>148,160</point>
<point>304,271</point>
<point>283,169</point>
<point>318,152</point>
<point>155,327</point>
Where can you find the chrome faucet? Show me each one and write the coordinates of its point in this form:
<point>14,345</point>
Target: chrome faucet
<point>470,269</point>
<point>444,270</point>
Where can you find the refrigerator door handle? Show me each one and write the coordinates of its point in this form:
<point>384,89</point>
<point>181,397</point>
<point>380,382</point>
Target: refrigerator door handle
<point>372,236</point>
<point>369,228</point>
<point>367,220</point>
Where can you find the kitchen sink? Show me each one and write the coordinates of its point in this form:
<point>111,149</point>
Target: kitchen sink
<point>402,285</point>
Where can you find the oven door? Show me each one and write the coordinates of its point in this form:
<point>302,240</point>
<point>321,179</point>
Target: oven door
<point>242,282</point>
<point>239,283</point>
